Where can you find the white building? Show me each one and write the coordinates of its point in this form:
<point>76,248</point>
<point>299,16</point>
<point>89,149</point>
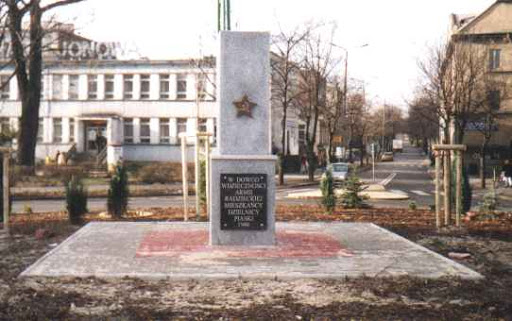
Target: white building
<point>139,106</point>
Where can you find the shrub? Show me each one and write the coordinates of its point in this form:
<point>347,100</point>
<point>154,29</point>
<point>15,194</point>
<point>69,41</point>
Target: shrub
<point>160,173</point>
<point>327,188</point>
<point>76,200</point>
<point>466,190</point>
<point>27,209</point>
<point>413,206</point>
<point>352,198</point>
<point>202,183</point>
<point>117,201</point>
<point>489,203</point>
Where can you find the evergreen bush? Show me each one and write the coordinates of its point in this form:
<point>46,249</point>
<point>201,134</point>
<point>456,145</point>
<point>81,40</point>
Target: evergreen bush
<point>202,183</point>
<point>117,202</point>
<point>467,192</point>
<point>489,203</point>
<point>327,188</point>
<point>76,200</point>
<point>352,198</point>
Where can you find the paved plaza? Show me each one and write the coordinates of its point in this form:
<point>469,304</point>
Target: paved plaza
<point>170,250</point>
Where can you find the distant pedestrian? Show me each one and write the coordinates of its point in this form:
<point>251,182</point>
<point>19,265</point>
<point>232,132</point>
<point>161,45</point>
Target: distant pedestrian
<point>61,159</point>
<point>507,172</point>
<point>303,162</point>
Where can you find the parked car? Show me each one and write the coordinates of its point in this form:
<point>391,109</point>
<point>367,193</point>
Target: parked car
<point>339,171</point>
<point>387,157</point>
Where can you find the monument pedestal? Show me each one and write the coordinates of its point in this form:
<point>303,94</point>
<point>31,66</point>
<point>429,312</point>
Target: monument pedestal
<point>243,202</point>
<point>242,183</point>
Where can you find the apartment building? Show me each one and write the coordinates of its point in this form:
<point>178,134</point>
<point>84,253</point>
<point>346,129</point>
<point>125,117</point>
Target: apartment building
<point>490,31</point>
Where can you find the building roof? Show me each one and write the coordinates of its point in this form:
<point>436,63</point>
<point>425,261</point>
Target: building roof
<point>461,23</point>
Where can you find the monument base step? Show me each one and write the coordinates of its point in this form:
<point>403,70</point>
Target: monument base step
<point>180,251</point>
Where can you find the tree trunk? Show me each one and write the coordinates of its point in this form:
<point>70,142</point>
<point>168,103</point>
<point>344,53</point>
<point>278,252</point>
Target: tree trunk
<point>330,153</point>
<point>311,161</point>
<point>29,124</point>
<point>361,149</point>
<point>281,169</point>
<point>29,85</point>
<point>283,146</point>
<point>483,152</point>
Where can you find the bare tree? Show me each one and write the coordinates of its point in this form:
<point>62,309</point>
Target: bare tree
<point>317,65</point>
<point>284,80</point>
<point>27,57</point>
<point>352,120</point>
<point>453,81</point>
<point>332,113</point>
<point>422,124</point>
<point>485,119</point>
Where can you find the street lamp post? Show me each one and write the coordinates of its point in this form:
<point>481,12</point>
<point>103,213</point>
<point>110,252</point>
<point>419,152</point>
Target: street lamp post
<point>345,78</point>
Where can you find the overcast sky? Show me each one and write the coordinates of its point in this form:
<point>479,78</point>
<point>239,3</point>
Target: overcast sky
<point>397,31</point>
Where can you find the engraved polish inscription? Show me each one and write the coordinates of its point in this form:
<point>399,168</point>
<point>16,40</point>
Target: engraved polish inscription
<point>243,201</point>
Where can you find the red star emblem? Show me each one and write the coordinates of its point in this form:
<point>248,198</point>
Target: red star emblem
<point>244,107</point>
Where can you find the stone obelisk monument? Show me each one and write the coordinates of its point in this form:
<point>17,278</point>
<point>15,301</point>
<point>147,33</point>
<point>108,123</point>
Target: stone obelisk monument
<point>242,190</point>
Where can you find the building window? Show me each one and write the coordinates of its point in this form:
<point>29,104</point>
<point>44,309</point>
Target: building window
<point>145,132</point>
<point>109,86</point>
<point>165,87</point>
<point>181,126</point>
<point>57,87</point>
<point>73,87</point>
<point>128,130</point>
<point>495,57</point>
<point>128,86</point>
<point>57,130</point>
<point>201,86</point>
<point>71,130</point>
<point>144,86</point>
<point>202,125</point>
<point>164,131</point>
<point>494,99</point>
<point>181,86</point>
<point>302,135</point>
<point>92,86</point>
<point>40,130</point>
<point>5,87</point>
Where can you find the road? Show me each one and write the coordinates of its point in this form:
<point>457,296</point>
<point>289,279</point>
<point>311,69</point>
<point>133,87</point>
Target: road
<point>410,169</point>
<point>407,174</point>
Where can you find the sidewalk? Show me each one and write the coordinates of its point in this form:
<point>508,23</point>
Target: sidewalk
<point>58,192</point>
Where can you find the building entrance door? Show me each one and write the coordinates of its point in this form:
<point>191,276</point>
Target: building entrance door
<point>94,129</point>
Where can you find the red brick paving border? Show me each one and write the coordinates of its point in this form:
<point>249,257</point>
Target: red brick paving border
<point>290,244</point>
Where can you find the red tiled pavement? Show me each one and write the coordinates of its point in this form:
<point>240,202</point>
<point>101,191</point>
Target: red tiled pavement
<point>290,244</point>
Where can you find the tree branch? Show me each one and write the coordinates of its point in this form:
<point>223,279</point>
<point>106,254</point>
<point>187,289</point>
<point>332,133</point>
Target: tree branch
<point>59,4</point>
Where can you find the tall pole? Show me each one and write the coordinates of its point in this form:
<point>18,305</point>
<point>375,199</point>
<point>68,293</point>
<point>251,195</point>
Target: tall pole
<point>458,187</point>
<point>345,85</point>
<point>228,14</point>
<point>5,183</point>
<point>197,173</point>
<point>447,191</point>
<point>218,15</point>
<point>438,188</point>
<point>184,174</point>
<point>207,174</point>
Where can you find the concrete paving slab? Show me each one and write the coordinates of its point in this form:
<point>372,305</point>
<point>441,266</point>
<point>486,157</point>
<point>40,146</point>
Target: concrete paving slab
<point>170,250</point>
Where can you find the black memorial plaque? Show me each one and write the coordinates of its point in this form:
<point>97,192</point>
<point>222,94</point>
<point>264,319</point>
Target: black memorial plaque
<point>243,201</point>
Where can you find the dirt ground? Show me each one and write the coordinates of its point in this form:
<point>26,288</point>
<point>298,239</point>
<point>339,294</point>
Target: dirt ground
<point>487,239</point>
